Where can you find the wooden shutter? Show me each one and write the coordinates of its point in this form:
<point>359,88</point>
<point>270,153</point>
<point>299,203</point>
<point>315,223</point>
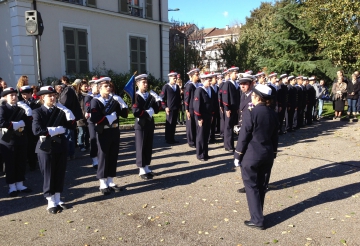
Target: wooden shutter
<point>123,6</point>
<point>149,10</point>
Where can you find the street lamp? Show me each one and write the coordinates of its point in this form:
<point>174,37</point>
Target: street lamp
<point>176,9</point>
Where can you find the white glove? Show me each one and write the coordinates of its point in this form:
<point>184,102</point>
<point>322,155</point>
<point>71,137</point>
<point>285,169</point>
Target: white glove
<point>27,109</point>
<point>111,118</point>
<point>236,129</point>
<point>17,125</point>
<point>150,111</point>
<point>52,131</point>
<point>157,97</point>
<point>120,101</point>
<point>69,115</point>
<point>236,163</point>
<point>60,130</point>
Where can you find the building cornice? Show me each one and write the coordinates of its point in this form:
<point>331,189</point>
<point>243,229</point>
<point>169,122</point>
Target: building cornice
<point>101,11</point>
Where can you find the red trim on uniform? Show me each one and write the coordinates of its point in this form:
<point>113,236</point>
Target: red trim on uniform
<point>198,114</point>
<point>103,118</point>
<point>224,92</point>
<point>134,106</point>
<point>73,122</point>
<point>187,93</point>
<point>10,125</point>
<point>142,112</point>
<point>196,99</point>
<point>225,104</point>
<point>163,103</point>
<point>186,103</point>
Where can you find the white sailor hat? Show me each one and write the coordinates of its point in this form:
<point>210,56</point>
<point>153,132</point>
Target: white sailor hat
<point>260,73</point>
<point>305,78</point>
<point>272,75</point>
<point>25,89</point>
<point>245,80</point>
<point>93,79</point>
<point>220,75</point>
<point>225,72</point>
<point>206,75</point>
<point>291,77</point>
<point>311,78</point>
<point>7,91</point>
<point>46,90</point>
<point>172,74</point>
<point>283,76</point>
<point>141,76</point>
<point>191,72</point>
<point>299,77</point>
<point>102,79</point>
<point>249,72</point>
<point>232,69</point>
<point>263,91</point>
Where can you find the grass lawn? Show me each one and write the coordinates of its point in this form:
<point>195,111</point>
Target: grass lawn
<point>159,118</point>
<point>329,112</point>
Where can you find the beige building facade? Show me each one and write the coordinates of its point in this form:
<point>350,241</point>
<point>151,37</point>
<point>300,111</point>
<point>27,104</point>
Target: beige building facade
<point>80,36</point>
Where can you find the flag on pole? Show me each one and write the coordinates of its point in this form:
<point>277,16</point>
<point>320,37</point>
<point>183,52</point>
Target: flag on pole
<point>130,88</point>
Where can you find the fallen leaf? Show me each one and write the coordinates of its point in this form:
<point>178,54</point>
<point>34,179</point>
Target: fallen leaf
<point>183,222</point>
<point>138,226</point>
<point>284,232</point>
<point>70,221</point>
<point>96,230</point>
<point>291,226</point>
<point>75,211</point>
<point>347,216</point>
<point>343,241</point>
<point>309,239</point>
<point>103,238</point>
<point>215,227</point>
<point>226,219</point>
<point>153,206</point>
<point>88,227</point>
<point>206,233</point>
<point>120,238</point>
<point>167,223</point>
<point>275,241</point>
<point>162,240</point>
<point>234,211</point>
<point>145,206</point>
<point>204,199</point>
<point>200,232</point>
<point>26,223</point>
<point>332,218</point>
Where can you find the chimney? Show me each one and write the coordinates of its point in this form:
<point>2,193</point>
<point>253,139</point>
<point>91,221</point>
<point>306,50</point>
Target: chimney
<point>227,27</point>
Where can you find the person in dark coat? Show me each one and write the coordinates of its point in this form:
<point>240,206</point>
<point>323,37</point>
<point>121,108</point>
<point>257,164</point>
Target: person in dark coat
<point>49,123</point>
<point>26,93</point>
<point>189,92</point>
<point>231,102</point>
<point>82,125</point>
<point>91,125</point>
<point>291,104</point>
<point>145,106</point>
<point>204,112</point>
<point>310,103</point>
<point>353,89</point>
<point>105,112</point>
<point>215,124</point>
<point>301,102</point>
<point>274,89</point>
<point>181,116</point>
<point>13,120</point>
<point>255,151</point>
<point>221,83</point>
<point>282,98</point>
<point>171,101</point>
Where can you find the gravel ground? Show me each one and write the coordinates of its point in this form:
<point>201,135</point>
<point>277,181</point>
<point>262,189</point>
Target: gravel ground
<point>314,197</point>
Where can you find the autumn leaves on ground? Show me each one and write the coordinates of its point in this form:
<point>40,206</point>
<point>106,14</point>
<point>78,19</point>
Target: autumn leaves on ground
<point>313,197</point>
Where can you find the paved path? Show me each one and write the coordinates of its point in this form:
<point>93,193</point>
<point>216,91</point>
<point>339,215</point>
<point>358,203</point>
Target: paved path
<point>314,197</point>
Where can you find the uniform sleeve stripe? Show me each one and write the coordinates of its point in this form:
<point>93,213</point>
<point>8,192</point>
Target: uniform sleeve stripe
<point>197,113</point>
<point>142,112</point>
<point>103,118</point>
<point>225,104</point>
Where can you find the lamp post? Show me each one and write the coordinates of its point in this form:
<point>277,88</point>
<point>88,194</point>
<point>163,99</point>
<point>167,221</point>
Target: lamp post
<point>176,9</point>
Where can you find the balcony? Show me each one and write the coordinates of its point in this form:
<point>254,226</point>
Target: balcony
<point>136,11</point>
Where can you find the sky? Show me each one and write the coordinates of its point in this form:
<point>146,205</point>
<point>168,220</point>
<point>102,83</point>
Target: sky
<point>213,13</point>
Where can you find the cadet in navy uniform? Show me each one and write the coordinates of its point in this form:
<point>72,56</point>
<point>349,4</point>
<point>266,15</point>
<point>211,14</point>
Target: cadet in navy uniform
<point>301,102</point>
<point>215,124</point>
<point>221,83</point>
<point>311,99</point>
<point>145,106</point>
<point>273,87</point>
<point>291,104</point>
<point>26,93</point>
<point>171,102</point>
<point>255,151</point>
<point>282,97</point>
<point>52,161</point>
<point>91,125</point>
<point>231,102</point>
<point>189,91</point>
<point>203,110</point>
<point>14,151</point>
<point>105,112</point>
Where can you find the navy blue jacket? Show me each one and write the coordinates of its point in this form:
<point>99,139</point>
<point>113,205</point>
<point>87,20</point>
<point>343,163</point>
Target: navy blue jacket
<point>230,96</point>
<point>258,137</point>
<point>189,97</point>
<point>203,104</point>
<point>171,99</point>
<point>98,115</point>
<point>293,97</point>
<point>139,111</point>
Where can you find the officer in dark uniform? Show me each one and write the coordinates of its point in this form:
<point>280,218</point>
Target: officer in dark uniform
<point>215,124</point>
<point>274,89</point>
<point>171,102</point>
<point>146,105</point>
<point>282,98</point>
<point>105,112</point>
<point>292,104</point>
<point>91,125</point>
<point>203,110</point>
<point>221,83</point>
<point>26,93</point>
<point>255,151</point>
<point>301,102</point>
<point>189,92</point>
<point>311,98</point>
<point>246,85</point>
<point>13,146</point>
<point>49,123</point>
<point>231,102</point>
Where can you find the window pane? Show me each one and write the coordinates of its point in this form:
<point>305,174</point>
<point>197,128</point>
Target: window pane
<point>142,57</point>
<point>149,9</point>
<point>134,68</point>
<point>91,2</point>
<point>134,56</point>
<point>70,52</point>
<point>133,43</point>
<point>83,54</point>
<point>123,6</point>
<point>142,45</point>
<point>81,38</point>
<point>84,68</point>
<point>70,67</point>
<point>69,37</point>
<point>142,68</point>
<point>136,2</point>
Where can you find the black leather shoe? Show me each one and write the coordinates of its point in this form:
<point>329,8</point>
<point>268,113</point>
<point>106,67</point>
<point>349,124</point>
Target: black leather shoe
<point>105,191</point>
<point>13,193</point>
<point>27,190</point>
<point>241,190</point>
<point>95,167</point>
<point>229,150</point>
<point>53,210</point>
<point>115,188</point>
<point>252,225</point>
<point>63,206</point>
<point>174,141</point>
<point>192,146</point>
<point>146,176</point>
<point>202,159</point>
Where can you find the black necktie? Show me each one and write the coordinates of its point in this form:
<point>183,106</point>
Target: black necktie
<point>50,110</point>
